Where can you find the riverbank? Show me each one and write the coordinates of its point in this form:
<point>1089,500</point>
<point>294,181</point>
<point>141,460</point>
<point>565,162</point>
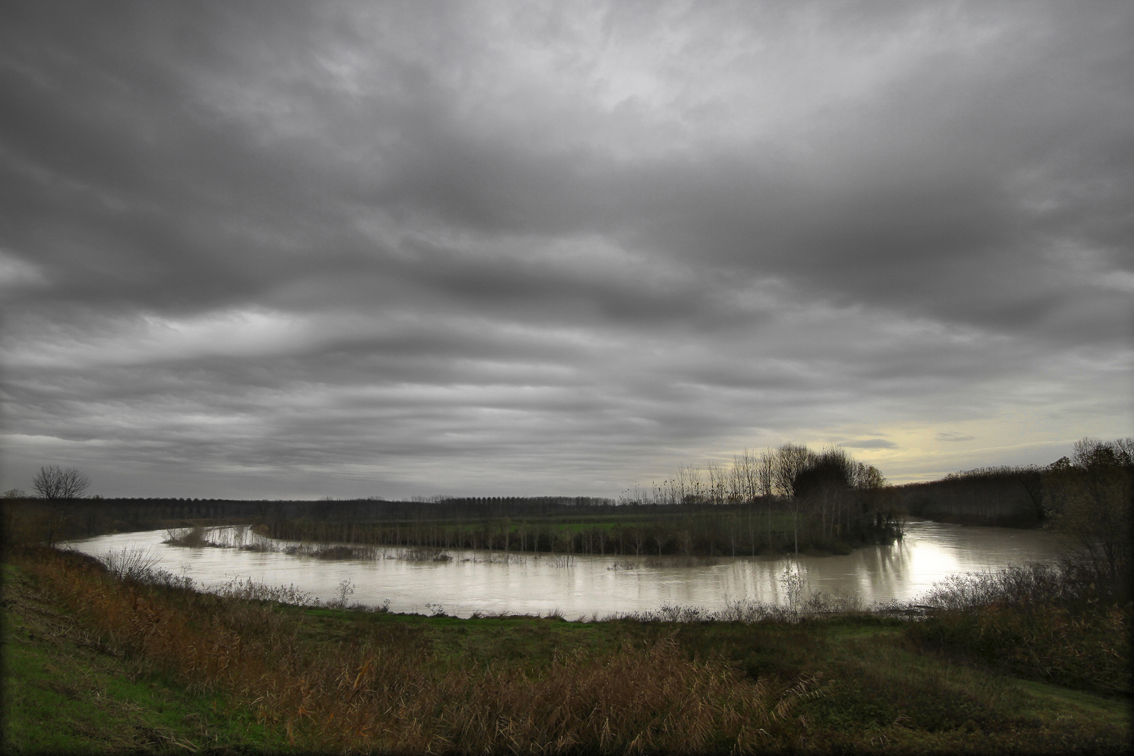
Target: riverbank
<point>166,668</point>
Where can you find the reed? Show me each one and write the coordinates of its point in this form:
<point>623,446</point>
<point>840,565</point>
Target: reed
<point>246,539</point>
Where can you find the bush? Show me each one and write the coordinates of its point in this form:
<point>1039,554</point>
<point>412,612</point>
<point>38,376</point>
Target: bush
<point>1055,624</point>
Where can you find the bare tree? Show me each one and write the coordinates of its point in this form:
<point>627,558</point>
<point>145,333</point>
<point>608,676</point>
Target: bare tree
<point>790,461</point>
<point>742,491</point>
<point>718,483</point>
<point>766,473</point>
<point>765,477</point>
<point>687,485</point>
<point>55,482</point>
<point>1124,448</point>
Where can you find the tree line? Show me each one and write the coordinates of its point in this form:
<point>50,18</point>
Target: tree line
<point>784,499</point>
<point>1002,495</point>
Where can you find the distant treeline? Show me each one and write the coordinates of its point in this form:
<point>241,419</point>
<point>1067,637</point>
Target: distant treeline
<point>1025,496</point>
<point>785,499</point>
<point>41,519</point>
<point>1008,496</point>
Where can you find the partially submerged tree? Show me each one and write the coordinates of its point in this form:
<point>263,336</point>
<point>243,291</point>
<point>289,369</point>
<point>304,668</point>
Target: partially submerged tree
<point>55,482</point>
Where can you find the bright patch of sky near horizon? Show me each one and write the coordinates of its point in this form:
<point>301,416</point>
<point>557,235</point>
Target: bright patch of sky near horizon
<point>351,249</point>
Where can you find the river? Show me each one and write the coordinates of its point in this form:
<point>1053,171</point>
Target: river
<point>596,586</point>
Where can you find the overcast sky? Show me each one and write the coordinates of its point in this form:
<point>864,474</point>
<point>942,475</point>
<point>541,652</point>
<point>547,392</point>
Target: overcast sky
<point>502,248</point>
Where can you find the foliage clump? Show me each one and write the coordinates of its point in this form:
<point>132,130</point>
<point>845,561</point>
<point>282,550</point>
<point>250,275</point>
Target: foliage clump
<point>1091,499</point>
<point>1060,624</point>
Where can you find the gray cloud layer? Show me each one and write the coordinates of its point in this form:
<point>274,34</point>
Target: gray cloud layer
<point>294,249</point>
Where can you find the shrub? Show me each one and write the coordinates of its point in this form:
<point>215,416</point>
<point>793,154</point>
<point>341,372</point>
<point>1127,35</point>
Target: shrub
<point>1051,623</point>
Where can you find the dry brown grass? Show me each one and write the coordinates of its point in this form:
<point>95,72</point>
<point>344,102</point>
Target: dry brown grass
<point>387,694</point>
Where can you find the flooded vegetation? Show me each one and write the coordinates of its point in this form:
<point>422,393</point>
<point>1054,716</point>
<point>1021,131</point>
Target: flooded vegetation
<point>247,539</point>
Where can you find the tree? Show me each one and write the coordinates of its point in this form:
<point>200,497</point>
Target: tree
<point>868,477</point>
<point>765,469</point>
<point>823,486</point>
<point>55,482</point>
<point>790,461</point>
<point>1091,496</point>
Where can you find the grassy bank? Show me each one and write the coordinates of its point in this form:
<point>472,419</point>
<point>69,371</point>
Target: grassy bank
<point>67,688</point>
<point>94,661</point>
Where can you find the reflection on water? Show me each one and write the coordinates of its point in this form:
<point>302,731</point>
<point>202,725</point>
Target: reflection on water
<point>589,587</point>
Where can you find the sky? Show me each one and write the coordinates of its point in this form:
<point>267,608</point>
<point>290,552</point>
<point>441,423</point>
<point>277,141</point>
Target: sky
<point>296,250</point>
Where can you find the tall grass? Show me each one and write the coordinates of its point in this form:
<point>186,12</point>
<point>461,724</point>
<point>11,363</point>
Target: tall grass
<point>140,565</point>
<point>248,590</point>
<point>385,692</point>
<point>748,611</point>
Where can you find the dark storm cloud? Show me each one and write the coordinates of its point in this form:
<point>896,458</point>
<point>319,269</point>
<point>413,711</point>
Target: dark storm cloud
<point>313,247</point>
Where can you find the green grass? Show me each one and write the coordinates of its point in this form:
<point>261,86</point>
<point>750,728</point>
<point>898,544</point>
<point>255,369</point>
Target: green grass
<point>63,692</point>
